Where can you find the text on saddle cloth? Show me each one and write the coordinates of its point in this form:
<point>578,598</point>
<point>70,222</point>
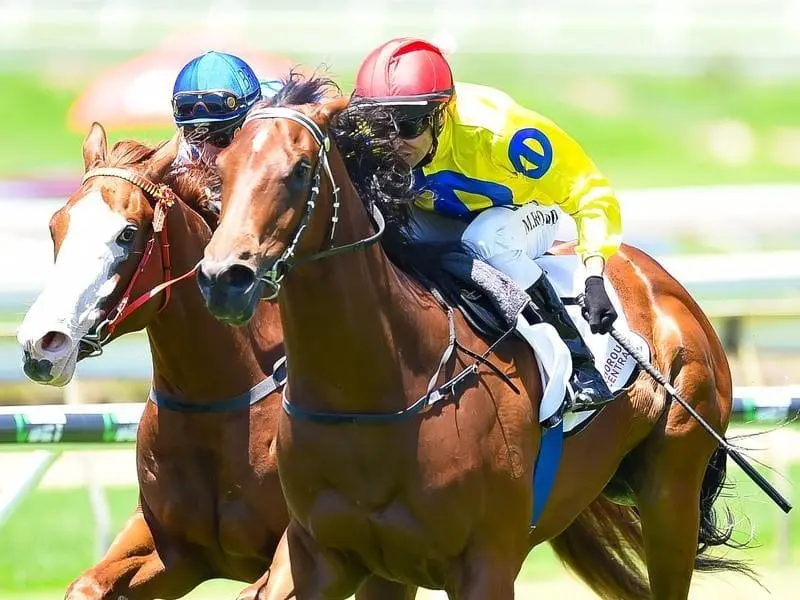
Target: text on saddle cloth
<point>567,275</point>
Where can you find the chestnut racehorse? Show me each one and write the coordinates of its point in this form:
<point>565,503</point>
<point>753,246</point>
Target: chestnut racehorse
<point>442,497</point>
<point>210,500</point>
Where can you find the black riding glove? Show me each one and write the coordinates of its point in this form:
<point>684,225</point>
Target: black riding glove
<point>597,307</point>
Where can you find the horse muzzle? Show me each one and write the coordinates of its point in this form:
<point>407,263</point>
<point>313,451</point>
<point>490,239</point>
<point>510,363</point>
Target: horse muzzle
<point>231,290</point>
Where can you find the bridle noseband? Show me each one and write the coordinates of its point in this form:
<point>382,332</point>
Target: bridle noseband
<point>162,198</point>
<point>274,276</point>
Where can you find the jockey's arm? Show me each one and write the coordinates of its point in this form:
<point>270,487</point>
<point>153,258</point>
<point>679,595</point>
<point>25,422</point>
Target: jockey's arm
<point>589,199</point>
<point>575,183</point>
<point>595,265</point>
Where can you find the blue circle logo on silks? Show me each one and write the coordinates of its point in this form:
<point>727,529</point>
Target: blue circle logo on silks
<point>537,162</point>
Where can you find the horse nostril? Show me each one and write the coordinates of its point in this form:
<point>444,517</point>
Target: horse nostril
<point>240,277</point>
<point>53,341</point>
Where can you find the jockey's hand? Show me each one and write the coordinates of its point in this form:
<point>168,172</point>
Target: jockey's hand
<point>597,307</point>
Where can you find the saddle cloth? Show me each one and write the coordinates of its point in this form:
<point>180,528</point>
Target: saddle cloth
<point>567,275</point>
<point>618,368</point>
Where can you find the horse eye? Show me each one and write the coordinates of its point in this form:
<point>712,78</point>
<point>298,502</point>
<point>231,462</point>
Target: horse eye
<point>300,171</point>
<point>127,235</point>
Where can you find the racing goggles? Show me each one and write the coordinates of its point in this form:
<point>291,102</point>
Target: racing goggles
<point>215,103</point>
<point>410,128</point>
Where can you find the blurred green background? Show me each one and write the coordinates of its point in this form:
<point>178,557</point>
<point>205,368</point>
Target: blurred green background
<point>642,130</point>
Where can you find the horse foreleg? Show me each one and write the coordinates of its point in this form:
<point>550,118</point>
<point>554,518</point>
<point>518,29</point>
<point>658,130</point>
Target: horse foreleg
<point>133,570</point>
<point>376,588</point>
<point>485,575</point>
<point>302,570</point>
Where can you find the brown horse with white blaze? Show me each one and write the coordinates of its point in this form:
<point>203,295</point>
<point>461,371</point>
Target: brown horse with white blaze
<point>442,498</point>
<point>210,499</point>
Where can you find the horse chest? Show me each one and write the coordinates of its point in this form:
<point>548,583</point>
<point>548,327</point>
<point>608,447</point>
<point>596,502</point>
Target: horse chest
<point>208,506</point>
<point>395,525</point>
<point>396,540</point>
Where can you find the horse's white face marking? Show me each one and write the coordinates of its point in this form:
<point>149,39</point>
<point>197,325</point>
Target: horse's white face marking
<point>259,140</point>
<point>82,278</point>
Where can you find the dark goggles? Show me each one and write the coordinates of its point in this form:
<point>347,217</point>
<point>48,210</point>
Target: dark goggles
<point>213,103</point>
<point>410,128</point>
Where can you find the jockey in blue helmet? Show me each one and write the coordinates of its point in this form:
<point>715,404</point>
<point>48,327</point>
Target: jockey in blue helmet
<point>210,99</point>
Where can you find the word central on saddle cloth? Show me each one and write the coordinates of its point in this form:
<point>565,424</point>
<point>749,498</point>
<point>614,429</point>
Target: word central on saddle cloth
<point>567,275</point>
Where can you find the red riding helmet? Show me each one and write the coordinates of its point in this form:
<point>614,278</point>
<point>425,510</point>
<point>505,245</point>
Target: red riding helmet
<point>406,71</point>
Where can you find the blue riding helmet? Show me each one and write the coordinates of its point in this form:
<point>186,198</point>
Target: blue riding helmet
<point>214,91</point>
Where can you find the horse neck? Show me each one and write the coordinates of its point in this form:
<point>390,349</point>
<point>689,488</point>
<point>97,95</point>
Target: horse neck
<point>194,355</point>
<point>357,331</point>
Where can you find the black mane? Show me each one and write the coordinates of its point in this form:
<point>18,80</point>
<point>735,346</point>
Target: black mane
<point>366,139</point>
<point>297,89</point>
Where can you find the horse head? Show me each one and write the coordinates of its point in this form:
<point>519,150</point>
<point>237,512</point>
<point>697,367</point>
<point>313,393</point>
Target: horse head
<point>110,244</point>
<point>280,198</point>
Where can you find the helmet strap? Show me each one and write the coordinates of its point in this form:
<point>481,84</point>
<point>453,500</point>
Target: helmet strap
<point>204,131</point>
<point>429,156</point>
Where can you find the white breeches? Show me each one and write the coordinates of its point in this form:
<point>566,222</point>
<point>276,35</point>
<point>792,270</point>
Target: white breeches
<point>507,238</point>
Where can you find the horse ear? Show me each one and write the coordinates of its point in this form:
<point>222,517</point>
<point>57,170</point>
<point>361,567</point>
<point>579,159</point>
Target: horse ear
<point>331,108</point>
<point>95,146</point>
<point>163,158</point>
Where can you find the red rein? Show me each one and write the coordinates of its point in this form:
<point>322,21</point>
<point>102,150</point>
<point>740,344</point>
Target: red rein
<point>163,198</point>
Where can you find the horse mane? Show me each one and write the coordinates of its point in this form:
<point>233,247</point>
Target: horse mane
<point>197,185</point>
<point>126,153</point>
<point>364,137</point>
<point>297,89</point>
<point>367,142</point>
<point>367,139</point>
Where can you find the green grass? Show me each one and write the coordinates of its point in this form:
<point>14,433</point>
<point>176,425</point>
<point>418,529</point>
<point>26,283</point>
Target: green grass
<point>49,540</point>
<point>647,132</point>
<point>39,142</point>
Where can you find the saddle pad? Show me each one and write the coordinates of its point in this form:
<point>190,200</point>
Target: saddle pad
<point>567,275</point>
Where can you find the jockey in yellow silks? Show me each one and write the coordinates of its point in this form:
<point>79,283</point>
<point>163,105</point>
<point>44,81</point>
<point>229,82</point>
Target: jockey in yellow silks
<point>498,176</point>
